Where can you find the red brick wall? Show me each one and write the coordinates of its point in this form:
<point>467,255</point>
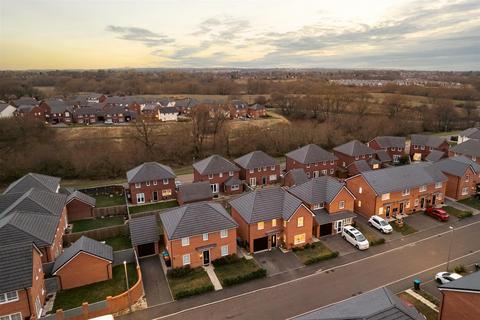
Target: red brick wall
<point>374,145</point>
<point>292,228</point>
<point>176,250</point>
<point>460,306</point>
<point>78,210</point>
<point>245,174</point>
<point>197,177</point>
<point>50,253</point>
<point>345,196</point>
<point>456,184</point>
<point>310,168</point>
<point>82,270</point>
<point>148,190</point>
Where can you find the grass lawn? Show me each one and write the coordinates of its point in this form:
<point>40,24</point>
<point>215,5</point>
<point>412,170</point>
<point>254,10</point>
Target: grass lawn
<point>471,202</point>
<point>239,268</point>
<point>371,236</point>
<point>153,206</point>
<point>195,282</point>
<point>121,242</point>
<point>420,306</point>
<point>315,253</point>
<point>109,201</point>
<point>97,223</point>
<point>405,230</point>
<point>71,298</point>
<point>456,212</point>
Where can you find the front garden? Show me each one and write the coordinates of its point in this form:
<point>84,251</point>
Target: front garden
<point>406,229</point>
<point>233,270</point>
<point>457,213</point>
<point>185,282</point>
<point>315,252</point>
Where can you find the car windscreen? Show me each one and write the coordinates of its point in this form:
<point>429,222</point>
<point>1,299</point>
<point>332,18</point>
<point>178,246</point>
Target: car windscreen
<point>383,223</point>
<point>360,238</point>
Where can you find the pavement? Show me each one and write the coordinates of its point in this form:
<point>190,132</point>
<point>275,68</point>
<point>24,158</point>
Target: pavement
<point>460,206</point>
<point>394,264</point>
<point>275,261</point>
<point>154,281</point>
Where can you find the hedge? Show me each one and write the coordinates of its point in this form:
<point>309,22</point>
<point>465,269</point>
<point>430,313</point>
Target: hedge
<point>321,258</point>
<point>192,292</point>
<point>179,272</point>
<point>260,273</point>
<point>225,260</point>
<point>465,214</point>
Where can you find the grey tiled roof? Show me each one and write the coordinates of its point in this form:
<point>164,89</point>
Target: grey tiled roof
<point>470,282</point>
<point>383,156</point>
<point>149,171</point>
<point>354,148</point>
<point>255,159</point>
<point>85,245</point>
<point>168,110</point>
<point>317,190</point>
<point>472,133</point>
<point>256,106</point>
<point>144,230</point>
<point>34,180</point>
<point>85,198</point>
<point>426,140</point>
<point>232,181</point>
<point>35,200</point>
<point>58,106</point>
<point>469,148</point>
<point>311,153</point>
<point>21,226</point>
<point>16,266</point>
<point>197,191</point>
<point>390,141</point>
<point>402,177</point>
<point>379,304</point>
<point>435,155</point>
<point>298,176</point>
<point>195,219</point>
<point>361,165</point>
<point>266,204</point>
<point>457,166</point>
<point>26,101</point>
<point>323,217</point>
<point>214,164</point>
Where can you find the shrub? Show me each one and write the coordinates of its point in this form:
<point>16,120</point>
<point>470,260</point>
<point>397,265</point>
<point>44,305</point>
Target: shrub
<point>259,273</point>
<point>321,258</point>
<point>460,269</point>
<point>225,260</point>
<point>377,241</point>
<point>179,272</point>
<point>465,214</point>
<point>191,292</point>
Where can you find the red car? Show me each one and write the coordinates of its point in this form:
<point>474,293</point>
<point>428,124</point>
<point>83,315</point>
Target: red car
<point>440,214</point>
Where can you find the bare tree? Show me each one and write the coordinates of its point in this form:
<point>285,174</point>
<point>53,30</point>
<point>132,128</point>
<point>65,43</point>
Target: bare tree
<point>144,133</point>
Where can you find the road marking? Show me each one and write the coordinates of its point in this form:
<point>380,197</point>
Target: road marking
<point>324,271</point>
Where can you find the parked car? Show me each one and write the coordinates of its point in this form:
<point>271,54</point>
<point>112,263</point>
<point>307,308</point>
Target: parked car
<point>446,277</point>
<point>355,237</point>
<point>437,213</point>
<point>108,121</point>
<point>381,224</point>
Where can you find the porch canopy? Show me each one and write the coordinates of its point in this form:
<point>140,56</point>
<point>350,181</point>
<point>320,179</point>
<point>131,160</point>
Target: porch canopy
<point>323,217</point>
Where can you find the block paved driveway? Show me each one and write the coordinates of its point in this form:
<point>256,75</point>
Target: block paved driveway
<point>154,281</point>
<point>421,221</point>
<point>275,261</point>
<point>335,242</point>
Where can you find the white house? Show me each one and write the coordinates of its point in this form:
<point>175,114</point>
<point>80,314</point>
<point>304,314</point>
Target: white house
<point>7,110</point>
<point>168,114</point>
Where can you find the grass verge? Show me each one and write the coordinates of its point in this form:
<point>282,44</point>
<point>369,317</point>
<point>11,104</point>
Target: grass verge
<point>97,223</point>
<point>186,282</point>
<point>233,270</point>
<point>457,213</point>
<point>428,312</point>
<point>315,252</point>
<point>471,202</point>
<point>71,298</point>
<point>153,206</point>
<point>372,237</point>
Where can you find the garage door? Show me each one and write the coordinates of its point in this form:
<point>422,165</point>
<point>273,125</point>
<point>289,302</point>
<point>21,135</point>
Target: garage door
<point>146,249</point>
<point>325,229</point>
<point>260,244</point>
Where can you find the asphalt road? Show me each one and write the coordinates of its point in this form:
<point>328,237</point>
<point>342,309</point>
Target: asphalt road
<point>395,267</point>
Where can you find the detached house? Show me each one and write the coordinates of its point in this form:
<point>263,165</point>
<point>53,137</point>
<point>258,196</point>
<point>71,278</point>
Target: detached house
<point>238,109</point>
<point>33,111</point>
<point>353,151</point>
<point>22,290</point>
<point>421,146</point>
<point>150,182</point>
<point>463,176</point>
<point>469,149</point>
<point>258,168</point>
<point>398,190</point>
<point>222,175</point>
<point>394,146</point>
<point>272,217</point>
<point>330,201</point>
<point>198,233</point>
<point>312,159</point>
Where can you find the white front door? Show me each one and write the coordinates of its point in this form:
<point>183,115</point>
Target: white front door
<point>316,174</point>
<point>140,197</point>
<point>339,226</point>
<point>253,182</point>
<point>214,187</point>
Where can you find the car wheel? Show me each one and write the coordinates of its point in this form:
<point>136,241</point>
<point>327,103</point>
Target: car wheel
<point>369,223</point>
<point>356,246</point>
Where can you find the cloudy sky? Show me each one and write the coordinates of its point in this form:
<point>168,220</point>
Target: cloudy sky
<point>64,34</point>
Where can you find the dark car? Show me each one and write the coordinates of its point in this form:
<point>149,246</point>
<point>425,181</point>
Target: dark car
<point>440,214</point>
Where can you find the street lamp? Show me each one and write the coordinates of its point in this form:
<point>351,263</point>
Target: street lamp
<point>128,286</point>
<point>450,247</point>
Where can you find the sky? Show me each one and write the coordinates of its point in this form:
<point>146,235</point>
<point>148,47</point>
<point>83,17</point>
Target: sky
<point>93,34</point>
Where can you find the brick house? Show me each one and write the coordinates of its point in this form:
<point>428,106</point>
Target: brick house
<point>469,149</point>
<point>359,166</point>
<point>470,133</point>
<point>117,114</point>
<point>88,115</point>
<point>198,233</point>
<point>59,111</point>
<point>463,176</point>
<point>80,206</point>
<point>314,160</point>
<point>258,168</point>
<point>238,109</point>
<point>223,175</point>
<point>353,151</point>
<point>461,298</point>
<point>86,261</point>
<point>194,192</point>
<point>294,177</point>
<point>150,182</point>
<point>421,145</point>
<point>256,111</point>
<point>272,217</point>
<point>330,201</point>
<point>397,191</point>
<point>33,111</point>
<point>394,146</point>
<point>22,289</point>
<point>145,235</point>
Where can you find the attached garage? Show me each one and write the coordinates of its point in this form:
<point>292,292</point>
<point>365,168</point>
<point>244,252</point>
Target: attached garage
<point>145,234</point>
<point>146,249</point>
<point>326,229</point>
<point>260,244</point>
<point>324,222</point>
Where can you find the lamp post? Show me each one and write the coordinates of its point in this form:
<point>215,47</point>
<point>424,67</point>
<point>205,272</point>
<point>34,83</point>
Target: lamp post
<point>128,286</point>
<point>450,246</point>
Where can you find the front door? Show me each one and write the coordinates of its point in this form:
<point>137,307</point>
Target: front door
<point>140,197</point>
<point>274,241</point>
<point>214,187</point>
<point>387,211</point>
<point>422,203</point>
<point>339,226</point>
<point>253,182</point>
<point>401,208</point>
<point>206,257</point>
<point>264,180</point>
<point>155,195</point>
<point>316,174</point>
<point>434,199</point>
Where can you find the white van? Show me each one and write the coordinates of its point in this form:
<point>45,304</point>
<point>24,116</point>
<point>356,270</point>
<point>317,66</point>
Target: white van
<point>355,237</point>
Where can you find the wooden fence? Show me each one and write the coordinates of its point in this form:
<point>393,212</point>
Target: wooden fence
<point>110,211</point>
<point>98,234</point>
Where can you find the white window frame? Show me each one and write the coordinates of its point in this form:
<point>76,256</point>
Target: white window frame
<point>360,190</point>
<point>220,175</point>
<point>359,203</point>
<point>140,195</point>
<point>341,204</point>
<point>12,316</point>
<point>386,196</point>
<point>272,168</point>
<point>332,171</point>
<point>210,176</point>
<point>405,192</point>
<point>155,182</point>
<point>422,188</point>
<point>300,222</point>
<point>205,236</point>
<point>234,187</point>
<point>274,222</point>
<point>318,206</point>
<point>165,181</point>
<point>260,225</point>
<point>422,147</point>
<point>147,183</point>
<point>224,250</point>
<point>332,161</point>
<point>251,170</point>
<point>185,241</point>
<point>273,177</point>
<point>230,173</point>
<point>464,191</point>
<point>186,259</point>
<point>438,185</point>
<point>223,233</point>
<point>264,168</point>
<point>138,185</point>
<point>7,299</point>
<point>300,237</point>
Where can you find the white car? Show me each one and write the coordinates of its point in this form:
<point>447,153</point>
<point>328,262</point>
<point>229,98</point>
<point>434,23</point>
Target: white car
<point>355,237</point>
<point>381,224</point>
<point>446,277</point>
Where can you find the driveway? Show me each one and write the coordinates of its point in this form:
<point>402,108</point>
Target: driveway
<point>420,221</point>
<point>363,222</point>
<point>154,281</point>
<point>337,243</point>
<point>275,261</point>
